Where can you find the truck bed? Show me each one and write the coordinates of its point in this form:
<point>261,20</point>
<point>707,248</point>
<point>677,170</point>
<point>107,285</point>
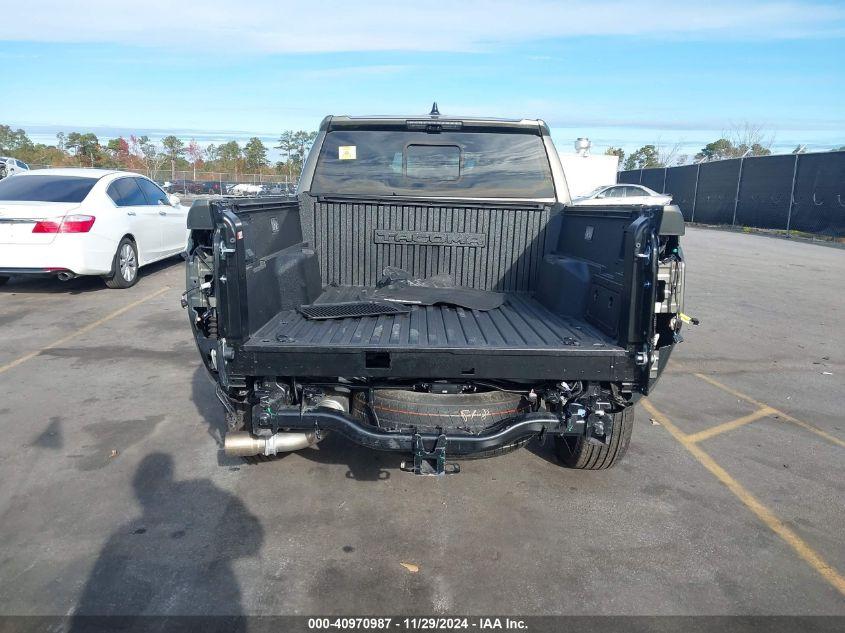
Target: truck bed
<point>566,315</point>
<point>473,342</point>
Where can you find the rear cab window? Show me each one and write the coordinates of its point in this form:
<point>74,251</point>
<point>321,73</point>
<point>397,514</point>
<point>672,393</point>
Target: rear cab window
<point>466,164</point>
<point>44,188</point>
<point>433,162</point>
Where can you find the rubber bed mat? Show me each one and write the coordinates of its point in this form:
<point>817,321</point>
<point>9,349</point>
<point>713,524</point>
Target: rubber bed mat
<point>418,295</point>
<point>347,309</point>
<point>521,322</point>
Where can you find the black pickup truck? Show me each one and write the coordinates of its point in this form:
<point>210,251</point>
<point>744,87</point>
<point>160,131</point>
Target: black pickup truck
<point>431,290</point>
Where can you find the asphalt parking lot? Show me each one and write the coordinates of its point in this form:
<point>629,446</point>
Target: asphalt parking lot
<point>115,497</point>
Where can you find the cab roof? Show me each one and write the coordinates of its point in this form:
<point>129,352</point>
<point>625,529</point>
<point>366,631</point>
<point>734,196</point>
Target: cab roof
<point>435,123</point>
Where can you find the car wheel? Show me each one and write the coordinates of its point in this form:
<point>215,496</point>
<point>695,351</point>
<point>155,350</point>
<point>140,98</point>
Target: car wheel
<point>124,266</point>
<point>3,280</point>
<point>574,452</point>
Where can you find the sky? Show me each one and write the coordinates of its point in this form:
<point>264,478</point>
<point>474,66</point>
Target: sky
<point>621,73</point>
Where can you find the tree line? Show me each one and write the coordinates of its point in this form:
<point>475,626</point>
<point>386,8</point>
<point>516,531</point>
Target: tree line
<point>651,155</point>
<point>140,153</point>
<point>744,140</point>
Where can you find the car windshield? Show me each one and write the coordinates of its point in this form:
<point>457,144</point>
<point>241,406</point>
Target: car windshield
<point>45,188</point>
<point>449,164</point>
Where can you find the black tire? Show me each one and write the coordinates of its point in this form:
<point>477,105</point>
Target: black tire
<point>398,409</point>
<point>493,452</point>
<point>473,413</point>
<point>118,278</point>
<point>3,280</point>
<point>574,452</point>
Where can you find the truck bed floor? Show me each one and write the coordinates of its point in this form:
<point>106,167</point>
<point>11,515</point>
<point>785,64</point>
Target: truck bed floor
<point>520,324</point>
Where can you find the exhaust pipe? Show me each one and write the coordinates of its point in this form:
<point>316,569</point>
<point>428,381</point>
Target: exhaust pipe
<point>65,275</point>
<point>243,444</point>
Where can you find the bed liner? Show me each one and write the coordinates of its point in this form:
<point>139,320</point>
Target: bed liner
<point>520,323</point>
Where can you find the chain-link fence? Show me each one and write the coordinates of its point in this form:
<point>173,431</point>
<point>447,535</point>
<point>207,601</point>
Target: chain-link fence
<point>190,182</point>
<point>793,192</point>
<point>165,175</point>
<point>206,182</point>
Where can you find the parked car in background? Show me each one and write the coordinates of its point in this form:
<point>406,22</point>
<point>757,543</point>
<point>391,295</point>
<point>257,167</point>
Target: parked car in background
<point>71,222</point>
<point>275,189</point>
<point>622,194</point>
<point>210,187</point>
<point>11,166</point>
<point>245,189</point>
<point>183,186</point>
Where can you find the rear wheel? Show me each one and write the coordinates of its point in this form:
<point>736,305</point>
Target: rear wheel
<point>125,265</point>
<point>3,280</point>
<point>575,452</point>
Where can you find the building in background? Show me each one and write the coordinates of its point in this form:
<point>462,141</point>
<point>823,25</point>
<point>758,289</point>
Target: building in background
<point>584,171</point>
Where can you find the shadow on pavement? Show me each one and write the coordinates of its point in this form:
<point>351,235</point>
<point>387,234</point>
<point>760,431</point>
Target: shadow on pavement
<point>544,450</point>
<point>176,558</point>
<point>78,286</point>
<point>364,464</point>
<point>207,404</point>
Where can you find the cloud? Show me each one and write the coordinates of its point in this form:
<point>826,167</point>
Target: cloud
<point>352,72</point>
<point>265,26</point>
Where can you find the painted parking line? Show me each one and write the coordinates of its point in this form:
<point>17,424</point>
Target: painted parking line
<point>730,426</point>
<point>790,537</point>
<point>781,414</point>
<point>784,416</point>
<point>82,330</point>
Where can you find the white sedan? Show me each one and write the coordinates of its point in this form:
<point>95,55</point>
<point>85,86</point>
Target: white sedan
<point>11,166</point>
<point>244,189</point>
<point>622,194</point>
<point>71,222</point>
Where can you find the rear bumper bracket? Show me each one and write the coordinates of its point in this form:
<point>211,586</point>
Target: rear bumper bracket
<point>431,462</point>
<point>292,418</point>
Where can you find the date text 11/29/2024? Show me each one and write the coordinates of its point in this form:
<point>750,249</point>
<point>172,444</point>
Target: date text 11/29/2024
<point>418,624</point>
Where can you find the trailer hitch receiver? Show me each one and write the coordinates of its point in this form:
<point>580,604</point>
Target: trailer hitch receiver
<point>431,462</point>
